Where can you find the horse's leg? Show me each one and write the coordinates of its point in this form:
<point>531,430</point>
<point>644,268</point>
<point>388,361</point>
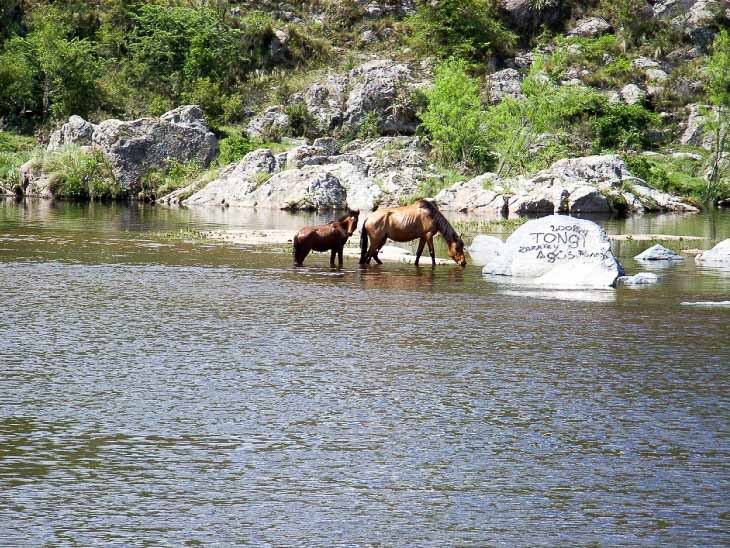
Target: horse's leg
<point>332,256</point>
<point>429,241</point>
<point>339,255</point>
<point>376,249</point>
<point>420,250</point>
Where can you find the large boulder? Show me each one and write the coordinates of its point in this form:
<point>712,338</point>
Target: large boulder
<point>301,189</point>
<point>135,147</point>
<point>484,249</point>
<point>557,251</point>
<point>528,15</point>
<point>717,256</point>
<point>273,123</point>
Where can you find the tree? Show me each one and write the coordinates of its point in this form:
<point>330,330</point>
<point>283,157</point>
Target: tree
<point>718,92</point>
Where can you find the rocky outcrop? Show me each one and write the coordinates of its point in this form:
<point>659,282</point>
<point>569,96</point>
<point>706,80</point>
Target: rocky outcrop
<point>556,251</point>
<point>378,91</point>
<point>135,147</point>
<point>527,15</point>
<point>590,27</point>
<point>591,184</point>
<point>370,173</point>
<point>695,132</point>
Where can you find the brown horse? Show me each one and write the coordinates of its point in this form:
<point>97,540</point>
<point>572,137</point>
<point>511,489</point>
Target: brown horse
<point>332,236</point>
<point>403,224</point>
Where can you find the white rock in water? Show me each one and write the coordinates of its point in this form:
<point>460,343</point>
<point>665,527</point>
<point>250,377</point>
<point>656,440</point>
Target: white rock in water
<point>484,248</point>
<point>717,256</point>
<point>558,251</point>
<point>642,278</point>
<point>658,253</point>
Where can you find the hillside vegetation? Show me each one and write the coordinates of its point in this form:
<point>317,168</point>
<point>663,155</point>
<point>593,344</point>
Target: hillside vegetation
<point>505,86</point>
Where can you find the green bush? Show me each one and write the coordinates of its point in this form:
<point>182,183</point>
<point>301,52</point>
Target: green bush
<point>624,127</point>
<point>454,117</point>
<point>77,175</point>
<point>369,128</point>
<point>233,148</point>
<point>467,29</point>
<point>302,123</point>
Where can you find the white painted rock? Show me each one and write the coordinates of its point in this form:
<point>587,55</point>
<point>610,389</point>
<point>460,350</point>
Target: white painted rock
<point>642,278</point>
<point>658,253</point>
<point>717,256</point>
<point>558,251</point>
<point>485,248</point>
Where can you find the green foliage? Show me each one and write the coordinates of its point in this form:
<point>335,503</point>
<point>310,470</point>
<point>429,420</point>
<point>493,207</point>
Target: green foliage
<point>369,128</point>
<point>454,117</point>
<point>15,150</point>
<point>467,29</point>
<point>301,121</point>
<point>233,148</point>
<point>624,127</point>
<point>77,175</point>
<point>175,175</point>
<point>48,72</point>
<point>516,126</point>
<point>718,92</point>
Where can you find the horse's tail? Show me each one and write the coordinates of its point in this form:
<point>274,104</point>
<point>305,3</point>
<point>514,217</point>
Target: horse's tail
<point>297,248</point>
<point>363,242</point>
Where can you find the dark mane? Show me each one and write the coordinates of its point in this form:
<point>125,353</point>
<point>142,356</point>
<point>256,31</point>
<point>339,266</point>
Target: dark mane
<point>343,219</point>
<point>442,224</point>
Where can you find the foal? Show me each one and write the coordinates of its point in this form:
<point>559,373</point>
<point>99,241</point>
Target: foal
<point>332,236</point>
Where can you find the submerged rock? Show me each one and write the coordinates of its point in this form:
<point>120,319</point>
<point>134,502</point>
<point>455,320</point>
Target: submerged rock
<point>642,278</point>
<point>557,251</point>
<point>717,256</point>
<point>658,253</point>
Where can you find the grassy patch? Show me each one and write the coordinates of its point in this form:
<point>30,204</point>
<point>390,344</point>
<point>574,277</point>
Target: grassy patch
<point>77,175</point>
<point>15,150</point>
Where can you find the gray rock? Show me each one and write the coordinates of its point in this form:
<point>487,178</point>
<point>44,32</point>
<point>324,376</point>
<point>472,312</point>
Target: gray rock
<point>642,278</point>
<point>504,83</point>
<point>695,132</point>
<point>76,131</point>
<point>658,253</point>
<point>236,182</point>
<point>717,256</point>
<point>656,75</point>
<point>272,123</point>
<point>486,248</point>
<point>632,94</point>
<point>591,27</point>
<point>644,63</point>
<point>380,88</point>
<point>528,15</point>
<point>301,189</point>
<point>135,147</point>
<point>557,251</point>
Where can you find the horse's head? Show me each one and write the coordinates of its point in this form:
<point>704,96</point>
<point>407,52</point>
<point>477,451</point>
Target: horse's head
<point>352,218</point>
<point>456,251</point>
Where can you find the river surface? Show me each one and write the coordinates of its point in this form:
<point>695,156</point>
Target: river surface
<point>161,391</point>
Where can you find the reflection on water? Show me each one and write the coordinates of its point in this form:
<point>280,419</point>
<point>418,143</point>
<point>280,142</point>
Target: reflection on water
<point>158,392</point>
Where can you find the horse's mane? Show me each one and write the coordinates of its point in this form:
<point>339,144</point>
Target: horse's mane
<point>442,224</point>
<point>343,219</point>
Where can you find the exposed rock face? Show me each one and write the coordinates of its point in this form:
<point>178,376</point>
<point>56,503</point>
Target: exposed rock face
<point>76,131</point>
<point>591,184</point>
<point>237,182</point>
<point>135,147</point>
<point>557,251</point>
<point>369,173</point>
<point>695,132</point>
<point>591,27</point>
<point>379,88</point>
<point>658,253</point>
<point>717,256</point>
<point>273,122</point>
<point>504,83</point>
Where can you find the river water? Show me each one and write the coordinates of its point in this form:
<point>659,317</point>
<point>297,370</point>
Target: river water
<point>162,391</point>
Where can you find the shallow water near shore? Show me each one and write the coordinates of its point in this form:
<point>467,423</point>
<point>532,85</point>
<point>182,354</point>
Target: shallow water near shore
<point>160,390</point>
